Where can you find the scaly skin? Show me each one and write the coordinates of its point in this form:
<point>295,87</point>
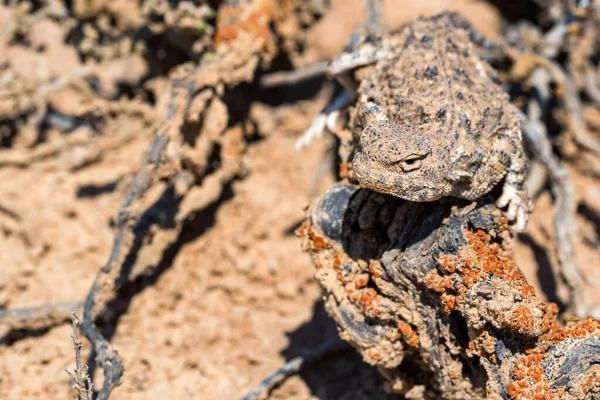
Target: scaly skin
<point>432,120</point>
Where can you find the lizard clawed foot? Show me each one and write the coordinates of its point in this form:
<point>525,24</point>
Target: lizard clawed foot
<point>327,119</point>
<point>316,129</point>
<point>519,205</point>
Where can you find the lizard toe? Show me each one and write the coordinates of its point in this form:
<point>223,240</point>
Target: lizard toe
<point>315,130</point>
<point>518,204</point>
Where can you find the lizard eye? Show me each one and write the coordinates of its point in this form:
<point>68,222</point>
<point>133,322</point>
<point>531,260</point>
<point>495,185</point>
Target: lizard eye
<point>411,163</point>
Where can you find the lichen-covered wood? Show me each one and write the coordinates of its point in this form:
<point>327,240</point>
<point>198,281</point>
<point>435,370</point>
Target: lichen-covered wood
<point>427,292</point>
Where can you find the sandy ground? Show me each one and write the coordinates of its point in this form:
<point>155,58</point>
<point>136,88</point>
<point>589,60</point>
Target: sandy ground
<point>234,297</point>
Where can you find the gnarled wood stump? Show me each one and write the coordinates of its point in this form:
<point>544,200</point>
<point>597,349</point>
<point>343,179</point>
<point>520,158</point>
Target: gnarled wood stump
<point>427,292</point>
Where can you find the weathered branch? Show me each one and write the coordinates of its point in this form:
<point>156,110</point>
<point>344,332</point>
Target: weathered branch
<point>105,285</point>
<point>428,294</point>
<point>537,140</point>
<point>234,62</point>
<point>572,105</point>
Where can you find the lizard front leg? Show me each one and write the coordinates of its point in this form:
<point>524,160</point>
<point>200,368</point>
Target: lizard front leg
<point>341,69</point>
<point>514,195</point>
<point>327,119</point>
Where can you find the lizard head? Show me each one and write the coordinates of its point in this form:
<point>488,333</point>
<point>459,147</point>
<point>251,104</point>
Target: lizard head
<point>399,160</point>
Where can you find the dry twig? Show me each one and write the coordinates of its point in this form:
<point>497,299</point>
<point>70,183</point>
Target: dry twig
<point>105,284</point>
<point>39,317</point>
<point>294,366</point>
<point>80,378</point>
<point>574,109</point>
<point>564,221</point>
<point>295,76</point>
<point>373,11</point>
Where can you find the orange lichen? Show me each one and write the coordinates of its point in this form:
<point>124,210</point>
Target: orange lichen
<point>494,262</point>
<point>374,354</point>
<point>231,21</point>
<point>484,258</point>
<point>318,241</point>
<point>312,240</point>
<point>361,281</point>
<point>344,169</point>
<point>530,382</point>
<point>591,384</point>
<point>257,22</point>
<point>457,274</point>
<point>409,335</point>
<point>414,341</point>
<point>337,262</point>
<point>404,328</point>
<point>446,265</point>
<point>301,231</point>
<point>226,34</point>
<point>528,372</point>
<point>438,283</point>
<point>555,333</point>
<point>484,345</point>
<point>522,320</point>
<point>374,269</point>
<point>449,302</point>
<point>341,273</point>
<point>369,300</point>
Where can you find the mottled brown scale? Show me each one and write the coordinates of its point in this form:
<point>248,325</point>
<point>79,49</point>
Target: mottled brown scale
<point>447,115</point>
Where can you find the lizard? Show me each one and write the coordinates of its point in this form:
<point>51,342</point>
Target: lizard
<point>430,118</point>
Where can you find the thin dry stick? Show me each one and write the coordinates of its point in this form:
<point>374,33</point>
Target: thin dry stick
<point>294,366</point>
<point>564,220</point>
<point>373,9</point>
<point>292,77</point>
<point>591,85</point>
<point>37,312</point>
<point>39,317</point>
<point>80,379</point>
<point>569,94</point>
<point>536,179</point>
<point>371,25</point>
<point>105,284</point>
<point>573,108</point>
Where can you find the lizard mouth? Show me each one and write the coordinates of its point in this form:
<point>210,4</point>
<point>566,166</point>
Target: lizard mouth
<point>421,195</point>
<point>406,186</point>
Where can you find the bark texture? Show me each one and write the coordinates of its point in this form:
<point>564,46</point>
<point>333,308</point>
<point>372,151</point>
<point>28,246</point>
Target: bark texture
<point>427,292</point>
